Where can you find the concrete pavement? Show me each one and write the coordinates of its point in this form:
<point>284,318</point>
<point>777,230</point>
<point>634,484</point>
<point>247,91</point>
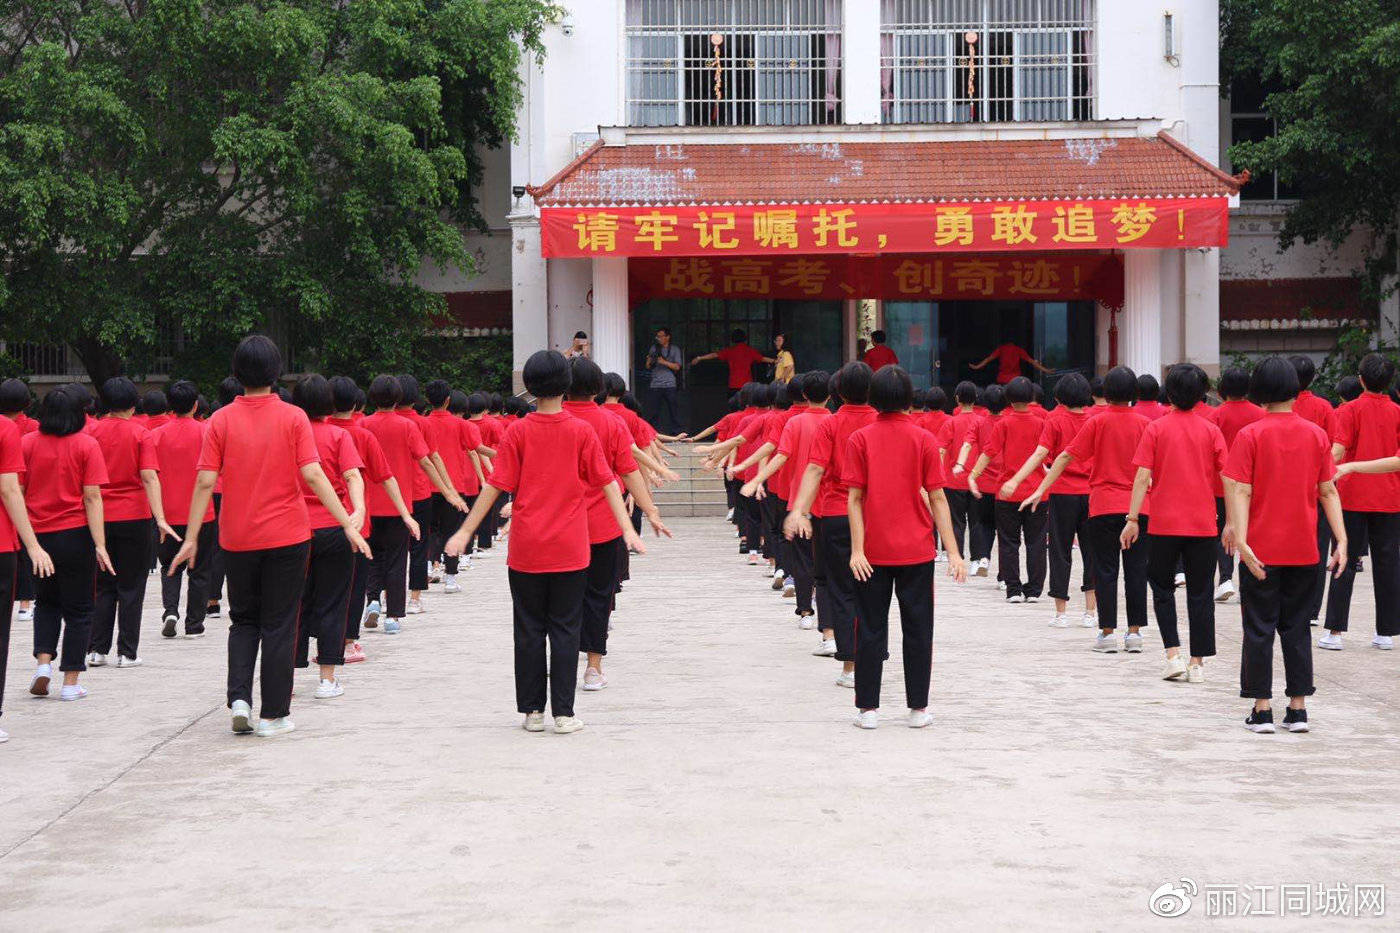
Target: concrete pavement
<point>719,784</point>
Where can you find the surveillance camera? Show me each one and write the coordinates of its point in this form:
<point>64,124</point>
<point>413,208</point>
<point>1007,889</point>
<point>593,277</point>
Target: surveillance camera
<point>567,24</point>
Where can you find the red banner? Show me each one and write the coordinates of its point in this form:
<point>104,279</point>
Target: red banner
<point>979,226</point>
<point>972,277</point>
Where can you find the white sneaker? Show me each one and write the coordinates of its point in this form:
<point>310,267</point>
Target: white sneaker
<point>329,690</point>
<point>1106,644</point>
<point>1225,591</point>
<point>1382,642</point>
<point>1331,641</point>
<point>1014,598</point>
<point>847,679</point>
<point>1195,674</point>
<point>1001,585</point>
<point>71,692</point>
<point>563,725</point>
<point>1030,599</point>
<point>807,623</point>
<point>534,722</point>
<point>124,661</point>
<point>242,717</point>
<point>4,736</point>
<point>1180,579</point>
<point>729,516</point>
<point>1132,643</point>
<point>267,728</point>
<point>24,615</point>
<point>982,566</point>
<point>415,607</point>
<point>371,617</point>
<point>1175,669</point>
<point>1060,621</point>
<point>1315,623</point>
<point>789,589</point>
<point>919,718</point>
<point>868,719</point>
<point>450,584</point>
<point>827,649</point>
<point>593,679</point>
<point>1090,620</point>
<point>39,686</point>
<point>434,576</point>
<point>96,660</point>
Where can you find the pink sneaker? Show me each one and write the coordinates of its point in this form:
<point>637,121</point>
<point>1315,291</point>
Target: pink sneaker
<point>354,653</point>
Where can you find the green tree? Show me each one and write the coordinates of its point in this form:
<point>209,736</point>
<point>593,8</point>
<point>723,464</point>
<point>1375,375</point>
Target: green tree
<point>209,167</point>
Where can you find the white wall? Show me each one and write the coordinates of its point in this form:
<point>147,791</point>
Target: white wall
<point>1253,252</point>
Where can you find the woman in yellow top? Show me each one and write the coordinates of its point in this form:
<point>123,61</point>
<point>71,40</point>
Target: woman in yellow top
<point>784,366</point>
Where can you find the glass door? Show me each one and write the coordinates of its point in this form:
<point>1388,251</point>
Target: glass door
<point>911,331</point>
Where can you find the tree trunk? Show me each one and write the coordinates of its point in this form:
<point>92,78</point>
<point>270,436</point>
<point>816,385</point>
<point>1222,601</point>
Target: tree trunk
<point>101,362</point>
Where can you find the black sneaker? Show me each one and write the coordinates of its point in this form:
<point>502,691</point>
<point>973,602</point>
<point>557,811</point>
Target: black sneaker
<point>213,610</point>
<point>171,620</point>
<point>1296,720</point>
<point>194,631</point>
<point>1260,720</point>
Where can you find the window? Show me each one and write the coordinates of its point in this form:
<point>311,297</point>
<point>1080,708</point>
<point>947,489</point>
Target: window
<point>979,61</point>
<point>1250,123</point>
<point>733,62</point>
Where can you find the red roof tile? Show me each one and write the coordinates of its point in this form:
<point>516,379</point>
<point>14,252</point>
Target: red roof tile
<point>841,172</point>
<point>1321,299</point>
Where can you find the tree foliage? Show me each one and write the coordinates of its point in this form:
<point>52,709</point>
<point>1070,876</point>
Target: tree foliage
<point>214,166</point>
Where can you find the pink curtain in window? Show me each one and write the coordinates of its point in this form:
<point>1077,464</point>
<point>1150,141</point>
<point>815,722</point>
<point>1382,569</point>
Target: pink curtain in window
<point>833,57</point>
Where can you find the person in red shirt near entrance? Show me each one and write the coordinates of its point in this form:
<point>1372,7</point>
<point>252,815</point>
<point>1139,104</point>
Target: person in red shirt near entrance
<point>879,356</point>
<point>1368,429</point>
<point>549,461</point>
<point>1235,412</point>
<point>264,449</point>
<point>177,445</point>
<point>1180,458</point>
<point>1280,470</point>
<point>895,500</point>
<point>1009,357</point>
<point>1110,440</point>
<point>1012,440</point>
<point>739,357</point>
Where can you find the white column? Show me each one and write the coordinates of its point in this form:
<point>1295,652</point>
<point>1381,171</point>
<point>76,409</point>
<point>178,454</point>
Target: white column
<point>1201,324</point>
<point>860,62</point>
<point>1140,324</point>
<point>529,293</point>
<point>612,339</point>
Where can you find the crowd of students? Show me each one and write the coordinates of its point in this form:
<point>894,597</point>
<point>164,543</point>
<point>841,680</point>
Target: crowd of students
<point>318,520</point>
<point>837,483</point>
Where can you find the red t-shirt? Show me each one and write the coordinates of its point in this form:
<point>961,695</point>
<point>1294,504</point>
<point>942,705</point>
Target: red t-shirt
<point>11,461</point>
<point>56,470</point>
<point>403,447</point>
<point>550,462</point>
<point>490,429</point>
<point>740,357</point>
<point>178,444</point>
<point>829,450</point>
<point>1062,427</point>
<point>1111,439</point>
<point>1152,409</point>
<point>1009,358</point>
<point>1284,458</point>
<point>752,430</point>
<point>128,449</point>
<point>642,433</point>
<point>158,421</point>
<point>880,356</point>
<point>616,442</point>
<point>376,469</point>
<point>950,439</point>
<point>1038,410</point>
<point>422,486</point>
<point>772,434</point>
<point>338,456</point>
<point>1186,455</point>
<point>259,445</point>
<point>979,433</point>
<point>1313,408</point>
<point>26,424</point>
<point>1234,414</point>
<point>453,438</point>
<point>1369,428</point>
<point>795,443</point>
<point>724,428</point>
<point>894,461</point>
<point>1012,439</point>
<point>933,421</point>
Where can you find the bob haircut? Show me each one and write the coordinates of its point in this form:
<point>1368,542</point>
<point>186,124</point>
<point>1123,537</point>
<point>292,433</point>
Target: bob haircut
<point>312,394</point>
<point>853,382</point>
<point>1019,392</point>
<point>546,374</point>
<point>477,403</point>
<point>585,378</point>
<point>61,412</point>
<point>1349,388</point>
<point>1120,386</point>
<point>257,363</point>
<point>119,394</point>
<point>14,396</point>
<point>457,402</point>
<point>183,396</point>
<point>229,389</point>
<point>1072,391</point>
<point>814,386</point>
<point>1148,389</point>
<point>384,392</point>
<point>1377,372</point>
<point>965,393</point>
<point>1096,387</point>
<point>994,399</point>
<point>437,392</point>
<point>891,390</point>
<point>1305,368</point>
<point>345,393</point>
<point>937,399</point>
<point>1233,383</point>
<point>1274,380</point>
<point>408,390</point>
<point>154,403</point>
<point>614,386</point>
<point>1185,387</point>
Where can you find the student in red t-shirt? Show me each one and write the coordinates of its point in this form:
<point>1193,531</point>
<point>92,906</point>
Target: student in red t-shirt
<point>1235,411</point>
<point>549,461</point>
<point>15,530</point>
<point>478,405</point>
<point>1280,470</point>
<point>64,474</point>
<point>1068,516</point>
<point>879,356</point>
<point>1180,458</point>
<point>739,357</point>
<point>949,441</point>
<point>1149,397</point>
<point>1009,358</point>
<point>229,389</point>
<point>1012,440</point>
<point>264,450</point>
<point>772,508</point>
<point>177,445</point>
<point>428,481</point>
<point>895,499</point>
<point>981,512</point>
<point>480,462</point>
<point>130,498</point>
<point>156,409</point>
<point>456,442</point>
<point>1368,429</point>
<point>1109,440</point>
<point>822,496</point>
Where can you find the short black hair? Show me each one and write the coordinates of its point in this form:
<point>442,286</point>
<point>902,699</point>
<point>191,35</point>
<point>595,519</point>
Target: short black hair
<point>384,392</point>
<point>546,374</point>
<point>781,398</point>
<point>965,393</point>
<point>312,394</point>
<point>891,390</point>
<point>580,335</point>
<point>1148,389</point>
<point>1038,391</point>
<point>747,393</point>
<point>14,396</point>
<point>1019,392</point>
<point>202,408</point>
<point>937,399</point>
<point>154,403</point>
<point>61,412</point>
<point>738,335</point>
<point>877,336</point>
<point>814,386</point>
<point>663,329</point>
<point>257,363</point>
<point>408,390</point>
<point>1233,383</point>
<point>1349,388</point>
<point>853,382</point>
<point>764,395</point>
<point>457,402</point>
<point>1274,380</point>
<point>119,394</point>
<point>1096,387</point>
<point>283,394</point>
<point>477,403</point>
<point>1377,372</point>
<point>437,392</point>
<point>494,402</point>
<point>614,386</point>
<point>1186,386</point>
<point>345,393</point>
<point>1072,391</point>
<point>1120,385</point>
<point>1305,368</point>
<point>994,399</point>
<point>585,378</point>
<point>229,389</point>
<point>183,396</point>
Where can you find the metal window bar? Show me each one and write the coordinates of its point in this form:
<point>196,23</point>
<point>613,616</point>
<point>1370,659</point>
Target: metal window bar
<point>975,61</point>
<point>733,62</point>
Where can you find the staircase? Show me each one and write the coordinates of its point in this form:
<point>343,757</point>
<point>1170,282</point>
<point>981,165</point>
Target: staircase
<point>699,493</point>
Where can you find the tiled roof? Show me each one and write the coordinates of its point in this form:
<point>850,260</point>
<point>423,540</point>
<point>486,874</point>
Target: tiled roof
<point>854,172</point>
